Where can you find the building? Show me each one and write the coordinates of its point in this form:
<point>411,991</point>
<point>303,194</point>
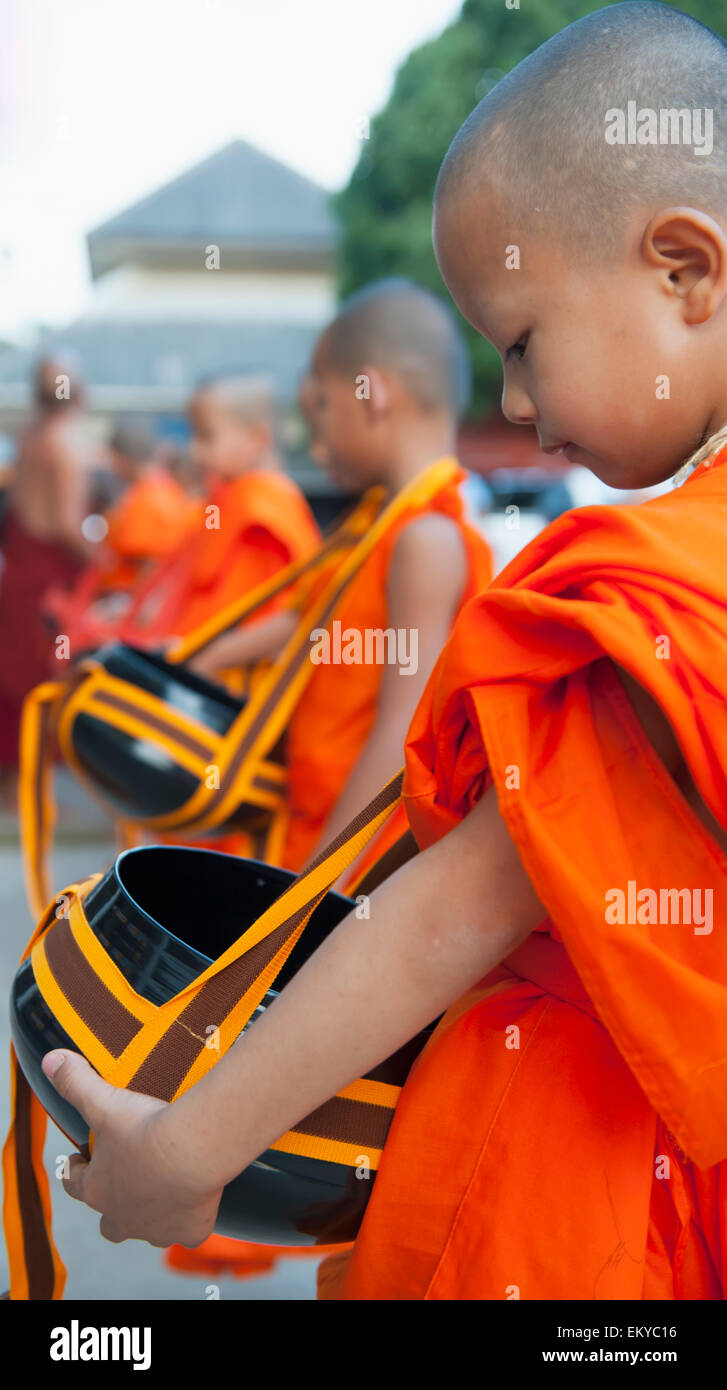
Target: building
<point>228,268</point>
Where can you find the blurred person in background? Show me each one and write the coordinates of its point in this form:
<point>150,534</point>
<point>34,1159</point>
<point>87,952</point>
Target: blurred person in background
<point>150,520</point>
<point>42,540</point>
<point>254,522</point>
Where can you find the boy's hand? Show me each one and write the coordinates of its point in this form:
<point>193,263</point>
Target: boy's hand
<point>147,1181</point>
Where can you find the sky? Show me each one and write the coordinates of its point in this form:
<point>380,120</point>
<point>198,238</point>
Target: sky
<point>102,102</point>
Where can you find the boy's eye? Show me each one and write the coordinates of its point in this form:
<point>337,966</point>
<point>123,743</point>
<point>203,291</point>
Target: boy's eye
<point>518,349</point>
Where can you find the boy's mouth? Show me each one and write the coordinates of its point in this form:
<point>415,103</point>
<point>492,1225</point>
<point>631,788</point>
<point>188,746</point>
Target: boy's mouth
<point>554,449</point>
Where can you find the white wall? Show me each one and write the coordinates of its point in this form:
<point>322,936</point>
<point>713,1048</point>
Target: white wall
<point>141,292</point>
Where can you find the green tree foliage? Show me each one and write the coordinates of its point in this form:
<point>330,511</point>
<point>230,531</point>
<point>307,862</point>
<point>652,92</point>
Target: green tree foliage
<point>386,209</point>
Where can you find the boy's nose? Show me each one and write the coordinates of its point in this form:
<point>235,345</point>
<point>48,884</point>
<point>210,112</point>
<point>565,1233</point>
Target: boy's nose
<point>517,406</point>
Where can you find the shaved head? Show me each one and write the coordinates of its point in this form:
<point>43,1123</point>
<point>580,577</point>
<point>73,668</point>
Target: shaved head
<point>251,399</point>
<point>566,142</point>
<point>400,327</point>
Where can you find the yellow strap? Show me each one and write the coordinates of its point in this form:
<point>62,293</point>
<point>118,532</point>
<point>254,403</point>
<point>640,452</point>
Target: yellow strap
<point>36,1269</point>
<point>36,806</point>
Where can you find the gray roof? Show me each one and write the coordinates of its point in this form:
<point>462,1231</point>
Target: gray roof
<point>244,201</point>
<point>172,357</point>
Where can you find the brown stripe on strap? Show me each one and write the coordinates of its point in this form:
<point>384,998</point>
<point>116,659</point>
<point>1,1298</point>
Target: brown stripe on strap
<point>36,1245</point>
<point>266,784</point>
<point>93,1001</point>
<point>348,1121</point>
<point>155,721</point>
<point>381,802</point>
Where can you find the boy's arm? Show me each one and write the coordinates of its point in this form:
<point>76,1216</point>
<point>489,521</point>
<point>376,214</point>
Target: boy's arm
<point>436,927</point>
<point>426,580</point>
<point>246,645</point>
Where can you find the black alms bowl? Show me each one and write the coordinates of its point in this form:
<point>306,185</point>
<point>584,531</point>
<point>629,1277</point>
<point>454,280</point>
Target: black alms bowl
<point>209,898</point>
<point>137,776</point>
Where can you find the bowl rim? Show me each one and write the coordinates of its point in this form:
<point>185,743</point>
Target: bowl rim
<point>204,686</point>
<point>217,854</point>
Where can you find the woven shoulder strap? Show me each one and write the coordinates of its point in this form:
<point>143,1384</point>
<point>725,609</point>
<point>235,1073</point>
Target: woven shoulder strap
<point>163,1050</point>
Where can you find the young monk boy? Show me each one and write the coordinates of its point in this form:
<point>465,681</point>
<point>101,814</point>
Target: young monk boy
<point>42,541</point>
<point>391,375</point>
<point>564,1134</point>
<point>255,522</point>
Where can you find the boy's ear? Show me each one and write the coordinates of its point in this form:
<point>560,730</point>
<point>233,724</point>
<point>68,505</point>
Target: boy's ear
<point>690,249</point>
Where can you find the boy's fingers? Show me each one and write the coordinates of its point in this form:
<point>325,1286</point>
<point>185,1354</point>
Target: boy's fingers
<point>77,1082</point>
<point>110,1232</point>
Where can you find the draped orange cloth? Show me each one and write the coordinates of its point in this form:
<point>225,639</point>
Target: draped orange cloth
<point>252,527</point>
<point>564,1133</point>
<point>337,710</point>
<point>151,519</point>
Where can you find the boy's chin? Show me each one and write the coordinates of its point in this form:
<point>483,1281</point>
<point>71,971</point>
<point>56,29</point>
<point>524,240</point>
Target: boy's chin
<point>623,475</point>
<point>348,479</point>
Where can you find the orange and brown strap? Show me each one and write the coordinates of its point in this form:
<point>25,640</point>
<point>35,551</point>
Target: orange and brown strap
<point>163,1050</point>
<point>36,804</point>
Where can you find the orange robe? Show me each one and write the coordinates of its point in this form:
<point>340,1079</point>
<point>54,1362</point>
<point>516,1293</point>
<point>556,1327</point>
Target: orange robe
<point>151,520</point>
<point>338,708</point>
<point>564,1133</point>
<point>261,523</point>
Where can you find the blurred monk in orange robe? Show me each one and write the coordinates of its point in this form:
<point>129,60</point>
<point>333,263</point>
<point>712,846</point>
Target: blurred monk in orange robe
<point>154,515</point>
<point>255,519</point>
<point>42,541</point>
<point>149,522</point>
<point>347,733</point>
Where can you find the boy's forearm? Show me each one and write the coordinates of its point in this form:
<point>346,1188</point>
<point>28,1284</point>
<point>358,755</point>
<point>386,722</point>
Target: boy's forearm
<point>246,645</point>
<point>436,927</point>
